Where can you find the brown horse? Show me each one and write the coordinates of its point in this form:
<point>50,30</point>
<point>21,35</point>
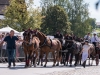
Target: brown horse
<point>47,45</point>
<point>92,53</point>
<point>31,47</point>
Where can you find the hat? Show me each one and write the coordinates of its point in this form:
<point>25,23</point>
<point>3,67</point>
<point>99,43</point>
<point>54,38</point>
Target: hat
<point>87,41</point>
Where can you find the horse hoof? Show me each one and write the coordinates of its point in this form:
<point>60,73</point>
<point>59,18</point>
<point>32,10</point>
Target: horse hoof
<point>67,65</point>
<point>26,66</point>
<point>41,64</point>
<point>57,64</point>
<point>64,64</point>
<point>44,65</point>
<point>70,66</point>
<point>75,65</point>
<point>30,66</point>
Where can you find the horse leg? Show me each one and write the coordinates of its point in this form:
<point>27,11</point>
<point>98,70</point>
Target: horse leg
<point>54,59</point>
<point>57,58</point>
<point>26,64</point>
<point>30,58</point>
<point>46,59</point>
<point>92,60</point>
<point>97,59</point>
<point>71,58</point>
<point>26,59</point>
<point>89,61</point>
<point>35,59</point>
<point>41,58</point>
<point>67,58</point>
<point>76,59</point>
<point>80,59</point>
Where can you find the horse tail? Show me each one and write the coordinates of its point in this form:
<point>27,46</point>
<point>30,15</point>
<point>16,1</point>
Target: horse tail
<point>59,44</point>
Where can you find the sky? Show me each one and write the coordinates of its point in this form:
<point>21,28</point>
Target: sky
<point>93,12</point>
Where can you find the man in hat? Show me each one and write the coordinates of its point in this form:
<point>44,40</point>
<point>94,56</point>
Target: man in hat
<point>94,39</point>
<point>59,36</point>
<point>87,37</point>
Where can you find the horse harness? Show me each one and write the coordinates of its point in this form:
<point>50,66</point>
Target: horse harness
<point>45,43</point>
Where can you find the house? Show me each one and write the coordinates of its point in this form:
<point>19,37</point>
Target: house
<point>3,4</point>
<point>97,24</point>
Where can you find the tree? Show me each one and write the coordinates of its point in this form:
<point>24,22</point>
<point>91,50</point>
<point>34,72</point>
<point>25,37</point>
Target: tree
<point>55,19</point>
<point>19,16</point>
<point>77,11</point>
<point>16,15</point>
<point>36,15</point>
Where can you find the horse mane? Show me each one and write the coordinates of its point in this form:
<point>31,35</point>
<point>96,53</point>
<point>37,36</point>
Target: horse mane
<point>42,34</point>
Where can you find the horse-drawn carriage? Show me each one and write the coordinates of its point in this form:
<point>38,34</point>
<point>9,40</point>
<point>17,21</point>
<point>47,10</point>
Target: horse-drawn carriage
<point>46,45</point>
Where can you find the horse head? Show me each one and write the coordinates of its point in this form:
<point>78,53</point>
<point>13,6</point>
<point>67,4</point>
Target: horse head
<point>28,36</point>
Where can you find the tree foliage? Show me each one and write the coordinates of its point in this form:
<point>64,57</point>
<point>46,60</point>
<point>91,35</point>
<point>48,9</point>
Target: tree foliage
<point>19,16</point>
<point>78,14</point>
<point>55,19</point>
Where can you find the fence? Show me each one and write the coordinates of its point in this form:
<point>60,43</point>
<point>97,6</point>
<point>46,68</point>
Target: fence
<point>19,55</point>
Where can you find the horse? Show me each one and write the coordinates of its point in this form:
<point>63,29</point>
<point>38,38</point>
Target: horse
<point>73,48</point>
<point>93,54</point>
<point>47,45</point>
<point>30,47</point>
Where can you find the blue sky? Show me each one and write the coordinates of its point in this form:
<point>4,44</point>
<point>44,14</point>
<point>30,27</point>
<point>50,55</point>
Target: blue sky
<point>93,12</point>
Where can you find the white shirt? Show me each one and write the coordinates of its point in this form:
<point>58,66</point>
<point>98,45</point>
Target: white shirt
<point>86,48</point>
<point>87,37</point>
<point>95,39</point>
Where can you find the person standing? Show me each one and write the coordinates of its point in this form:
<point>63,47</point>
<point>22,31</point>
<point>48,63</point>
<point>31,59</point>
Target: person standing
<point>85,52</point>
<point>87,37</point>
<point>11,47</point>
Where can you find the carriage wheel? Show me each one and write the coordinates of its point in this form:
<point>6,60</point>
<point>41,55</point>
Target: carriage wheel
<point>97,59</point>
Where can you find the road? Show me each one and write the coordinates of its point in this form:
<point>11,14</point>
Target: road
<point>49,70</point>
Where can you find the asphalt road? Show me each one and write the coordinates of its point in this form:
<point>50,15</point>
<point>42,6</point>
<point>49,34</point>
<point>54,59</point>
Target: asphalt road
<point>49,70</point>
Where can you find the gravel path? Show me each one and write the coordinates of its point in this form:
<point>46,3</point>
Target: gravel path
<point>91,70</point>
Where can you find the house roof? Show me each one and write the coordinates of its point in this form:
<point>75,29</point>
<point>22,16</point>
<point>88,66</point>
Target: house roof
<point>97,23</point>
<point>2,7</point>
<point>4,2</point>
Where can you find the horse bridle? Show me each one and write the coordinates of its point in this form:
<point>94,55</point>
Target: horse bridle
<point>26,34</point>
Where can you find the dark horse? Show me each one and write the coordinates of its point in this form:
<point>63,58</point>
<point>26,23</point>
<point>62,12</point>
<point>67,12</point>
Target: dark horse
<point>48,45</point>
<point>31,47</point>
<point>73,48</point>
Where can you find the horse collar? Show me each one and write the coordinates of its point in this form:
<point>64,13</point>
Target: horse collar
<point>44,43</point>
